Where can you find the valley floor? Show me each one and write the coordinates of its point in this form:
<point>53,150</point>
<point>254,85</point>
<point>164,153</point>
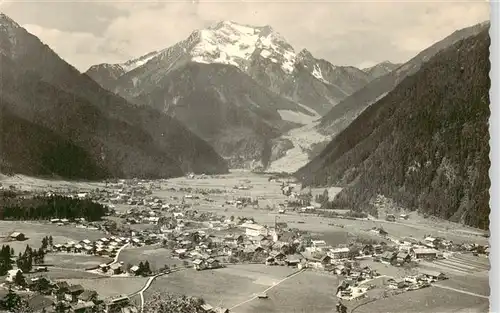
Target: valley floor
<point>237,286</point>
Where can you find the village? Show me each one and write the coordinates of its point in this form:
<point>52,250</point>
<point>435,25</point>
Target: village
<point>201,240</point>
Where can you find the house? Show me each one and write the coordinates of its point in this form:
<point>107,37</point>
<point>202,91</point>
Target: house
<point>134,269</point>
<point>318,244</point>
<point>390,218</point>
<point>11,275</point>
<point>199,264</point>
<point>17,236</point>
<point>253,230</point>
<point>207,308</point>
<point>424,254</point>
<point>40,303</point>
<point>116,304</point>
<point>278,256</point>
<point>73,292</point>
<point>83,307</point>
<point>403,257</point>
<point>388,257</point>
<point>294,259</point>
<point>368,249</point>
<point>404,216</point>
<point>41,284</point>
<point>221,310</point>
<point>339,253</point>
<point>212,263</point>
<point>88,295</point>
<point>432,274</point>
<point>116,268</point>
<point>104,267</point>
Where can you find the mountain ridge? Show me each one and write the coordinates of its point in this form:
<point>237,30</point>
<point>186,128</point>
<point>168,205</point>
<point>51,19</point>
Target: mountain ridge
<point>118,136</point>
<point>424,145</point>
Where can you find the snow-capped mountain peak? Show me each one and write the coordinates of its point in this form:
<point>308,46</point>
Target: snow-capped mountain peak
<point>232,43</point>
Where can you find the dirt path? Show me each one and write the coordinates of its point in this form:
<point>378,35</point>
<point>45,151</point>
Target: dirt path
<point>148,284</point>
<point>118,253</point>
<point>273,286</point>
<point>461,291</point>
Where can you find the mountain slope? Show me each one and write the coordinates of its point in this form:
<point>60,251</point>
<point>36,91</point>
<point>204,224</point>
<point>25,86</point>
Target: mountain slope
<point>341,115</point>
<point>380,69</point>
<point>223,106</point>
<point>122,139</point>
<point>31,149</point>
<point>425,144</point>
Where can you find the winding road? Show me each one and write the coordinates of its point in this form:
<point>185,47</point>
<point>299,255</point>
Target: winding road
<point>148,284</point>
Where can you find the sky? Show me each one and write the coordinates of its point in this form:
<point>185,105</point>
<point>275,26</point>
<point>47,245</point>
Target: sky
<point>361,34</point>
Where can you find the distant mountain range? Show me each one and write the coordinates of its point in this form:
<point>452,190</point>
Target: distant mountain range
<point>58,122</point>
<point>341,115</point>
<point>425,144</point>
<point>236,86</point>
<point>380,69</point>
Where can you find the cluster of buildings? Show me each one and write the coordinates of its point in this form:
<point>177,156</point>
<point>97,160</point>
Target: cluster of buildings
<point>45,295</point>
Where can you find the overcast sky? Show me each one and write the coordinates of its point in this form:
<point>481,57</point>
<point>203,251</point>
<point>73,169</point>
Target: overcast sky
<point>345,33</point>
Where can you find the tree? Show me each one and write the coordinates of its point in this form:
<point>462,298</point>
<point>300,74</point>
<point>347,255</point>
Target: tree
<point>147,268</point>
<point>167,303</point>
<point>19,279</point>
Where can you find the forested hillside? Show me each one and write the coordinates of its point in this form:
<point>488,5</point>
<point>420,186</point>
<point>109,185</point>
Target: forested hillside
<point>425,145</point>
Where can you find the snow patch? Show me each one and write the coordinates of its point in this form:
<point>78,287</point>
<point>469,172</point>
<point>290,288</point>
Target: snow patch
<point>302,139</point>
<point>317,73</point>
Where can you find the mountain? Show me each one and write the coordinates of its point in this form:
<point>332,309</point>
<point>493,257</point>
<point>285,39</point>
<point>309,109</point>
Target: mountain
<point>75,116</point>
<point>380,69</point>
<point>238,87</point>
<point>341,115</point>
<point>260,52</point>
<point>424,145</point>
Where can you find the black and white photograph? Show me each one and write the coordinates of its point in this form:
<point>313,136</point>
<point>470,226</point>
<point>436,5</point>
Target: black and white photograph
<point>233,156</point>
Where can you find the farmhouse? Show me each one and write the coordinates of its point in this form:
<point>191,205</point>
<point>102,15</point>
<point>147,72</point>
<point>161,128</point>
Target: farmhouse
<point>426,254</point>
<point>17,236</point>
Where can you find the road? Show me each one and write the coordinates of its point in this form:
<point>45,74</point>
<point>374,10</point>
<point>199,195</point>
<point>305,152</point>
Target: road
<point>148,284</point>
<point>273,286</point>
<point>118,253</point>
<point>461,291</point>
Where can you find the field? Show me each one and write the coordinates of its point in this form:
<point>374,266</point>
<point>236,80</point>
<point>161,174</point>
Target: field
<point>36,231</point>
<point>66,273</point>
<point>427,300</point>
<point>155,255</point>
<point>227,287</point>
<point>74,261</point>
<point>111,286</point>
<point>306,292</point>
<point>269,194</point>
